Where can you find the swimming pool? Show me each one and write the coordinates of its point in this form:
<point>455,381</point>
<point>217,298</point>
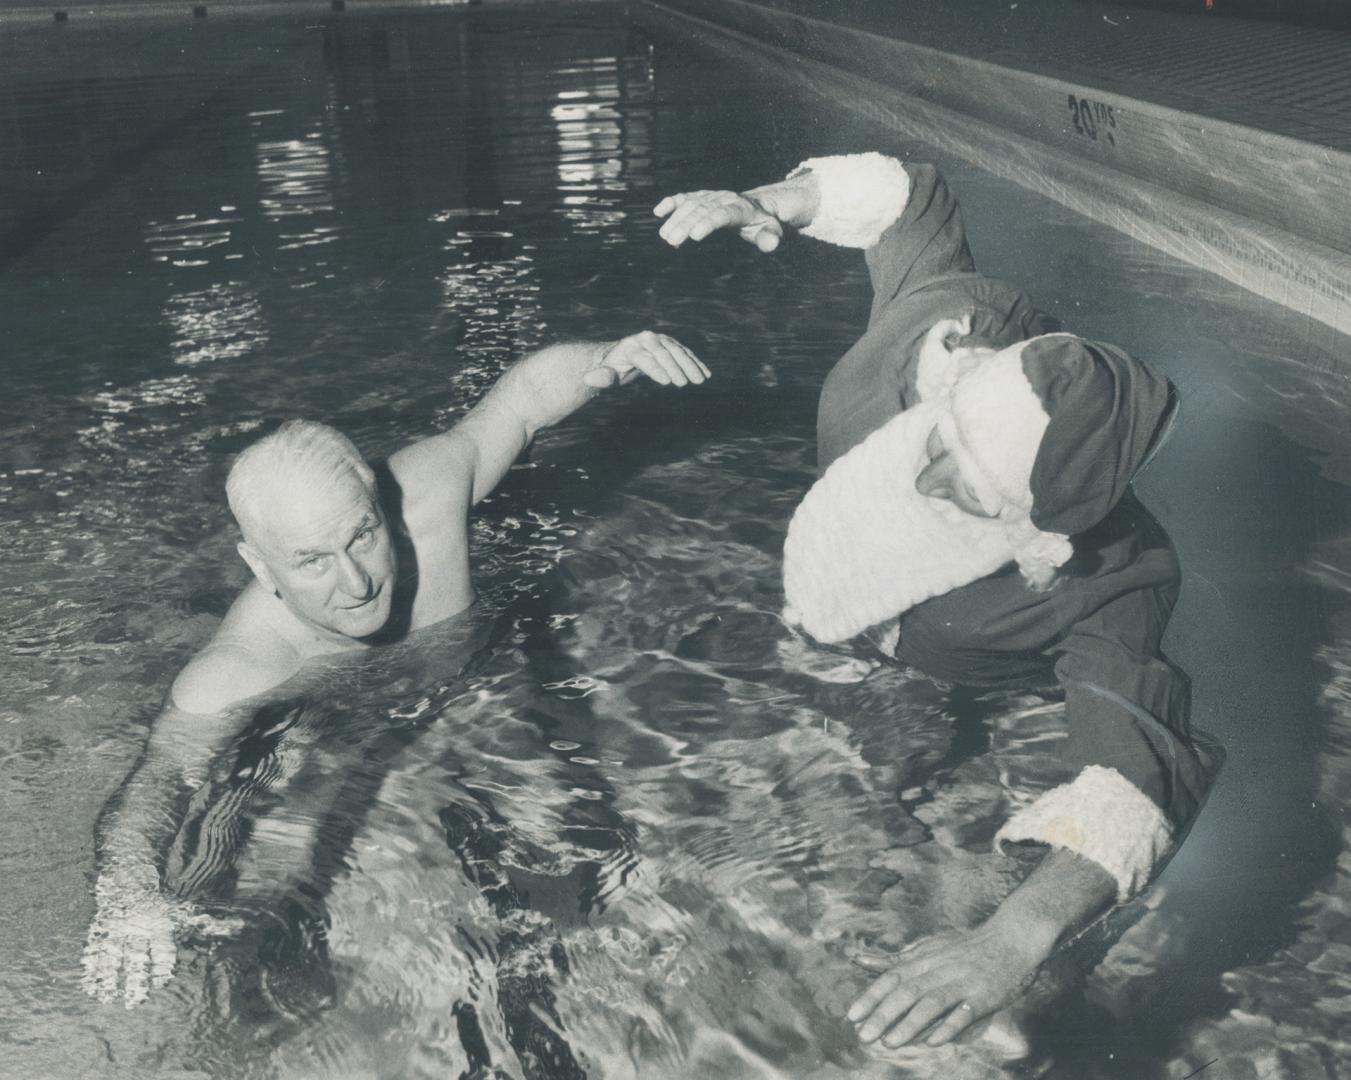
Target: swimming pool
<point>614,820</point>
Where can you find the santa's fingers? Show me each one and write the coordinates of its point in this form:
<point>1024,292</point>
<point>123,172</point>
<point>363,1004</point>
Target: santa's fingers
<point>956,1022</point>
<point>765,235</point>
<point>671,202</point>
<point>918,1017</point>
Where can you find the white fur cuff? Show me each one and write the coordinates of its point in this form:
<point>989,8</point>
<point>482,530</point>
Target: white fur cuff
<point>862,195</point>
<point>1102,816</point>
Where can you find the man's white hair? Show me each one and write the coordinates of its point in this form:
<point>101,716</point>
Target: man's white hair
<point>299,453</point>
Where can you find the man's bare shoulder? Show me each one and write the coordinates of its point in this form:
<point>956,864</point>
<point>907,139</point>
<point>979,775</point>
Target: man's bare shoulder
<point>247,657</point>
<point>221,676</point>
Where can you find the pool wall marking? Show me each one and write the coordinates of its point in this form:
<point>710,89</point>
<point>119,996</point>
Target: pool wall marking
<point>1265,211</point>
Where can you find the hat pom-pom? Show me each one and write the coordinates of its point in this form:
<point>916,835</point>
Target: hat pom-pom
<point>1040,558</point>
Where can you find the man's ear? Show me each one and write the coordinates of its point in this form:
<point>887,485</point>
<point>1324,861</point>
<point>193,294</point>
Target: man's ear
<point>258,566</point>
<point>937,371</point>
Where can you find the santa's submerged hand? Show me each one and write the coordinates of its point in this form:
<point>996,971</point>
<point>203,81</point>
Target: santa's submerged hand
<point>943,985</point>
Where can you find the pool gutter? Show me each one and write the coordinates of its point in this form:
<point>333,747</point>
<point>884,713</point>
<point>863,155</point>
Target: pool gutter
<point>1266,211</point>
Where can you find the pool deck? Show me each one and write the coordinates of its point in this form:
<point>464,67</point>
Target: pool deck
<point>1226,142</point>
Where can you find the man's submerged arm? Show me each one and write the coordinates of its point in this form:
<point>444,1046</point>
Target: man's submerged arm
<point>132,946</point>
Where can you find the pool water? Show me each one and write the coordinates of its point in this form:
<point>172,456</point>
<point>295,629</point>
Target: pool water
<point>615,821</point>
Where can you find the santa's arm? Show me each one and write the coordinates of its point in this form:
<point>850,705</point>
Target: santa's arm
<point>903,217</point>
<point>945,983</point>
<point>1138,776</point>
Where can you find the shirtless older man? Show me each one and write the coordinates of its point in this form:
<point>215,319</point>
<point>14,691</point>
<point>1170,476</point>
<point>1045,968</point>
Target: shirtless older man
<point>322,539</point>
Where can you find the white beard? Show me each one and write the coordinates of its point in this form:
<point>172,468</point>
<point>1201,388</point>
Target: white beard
<point>864,546</point>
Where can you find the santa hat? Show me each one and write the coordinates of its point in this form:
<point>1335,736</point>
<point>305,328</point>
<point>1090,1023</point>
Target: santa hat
<point>1047,432</point>
<point>1056,427</point>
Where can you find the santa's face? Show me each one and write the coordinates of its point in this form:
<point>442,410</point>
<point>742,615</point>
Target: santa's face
<point>942,478</point>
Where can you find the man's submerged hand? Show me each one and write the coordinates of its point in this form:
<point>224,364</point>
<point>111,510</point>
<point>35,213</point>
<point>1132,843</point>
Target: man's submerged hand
<point>132,943</point>
<point>662,359</point>
<point>944,984</point>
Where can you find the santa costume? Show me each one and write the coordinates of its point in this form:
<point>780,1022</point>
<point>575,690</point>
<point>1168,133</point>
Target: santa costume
<point>1072,582</point>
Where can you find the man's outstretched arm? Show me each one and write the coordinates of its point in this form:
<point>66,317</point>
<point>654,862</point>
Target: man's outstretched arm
<point>537,392</point>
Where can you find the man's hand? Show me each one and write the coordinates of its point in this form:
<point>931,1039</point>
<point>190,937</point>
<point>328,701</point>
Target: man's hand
<point>133,941</point>
<point>944,984</point>
<point>697,214</point>
<point>662,359</point>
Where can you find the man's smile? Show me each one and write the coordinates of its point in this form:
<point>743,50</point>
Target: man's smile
<point>363,603</point>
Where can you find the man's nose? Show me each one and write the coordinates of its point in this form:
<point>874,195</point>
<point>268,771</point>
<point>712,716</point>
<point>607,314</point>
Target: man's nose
<point>935,479</point>
<point>355,581</point>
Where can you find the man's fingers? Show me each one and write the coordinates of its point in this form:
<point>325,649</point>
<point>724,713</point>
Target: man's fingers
<point>692,363</point>
<point>656,349</point>
<point>684,361</point>
<point>102,961</point>
<point>640,355</point>
<point>136,972</point>
<point>163,955</point>
<point>662,359</point>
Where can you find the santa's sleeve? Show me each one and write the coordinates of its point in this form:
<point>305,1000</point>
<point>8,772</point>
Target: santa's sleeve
<point>904,217</point>
<point>1139,772</point>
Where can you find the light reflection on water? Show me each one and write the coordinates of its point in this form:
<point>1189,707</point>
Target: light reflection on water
<point>617,818</point>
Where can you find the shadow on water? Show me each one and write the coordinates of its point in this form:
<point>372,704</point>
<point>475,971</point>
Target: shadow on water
<point>1250,633</point>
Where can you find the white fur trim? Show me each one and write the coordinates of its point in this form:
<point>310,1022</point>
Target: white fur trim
<point>862,195</point>
<point>1102,816</point>
<point>865,546</point>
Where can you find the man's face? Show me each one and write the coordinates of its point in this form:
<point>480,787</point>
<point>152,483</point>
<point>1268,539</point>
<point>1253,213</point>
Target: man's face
<point>329,556</point>
<point>942,479</point>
